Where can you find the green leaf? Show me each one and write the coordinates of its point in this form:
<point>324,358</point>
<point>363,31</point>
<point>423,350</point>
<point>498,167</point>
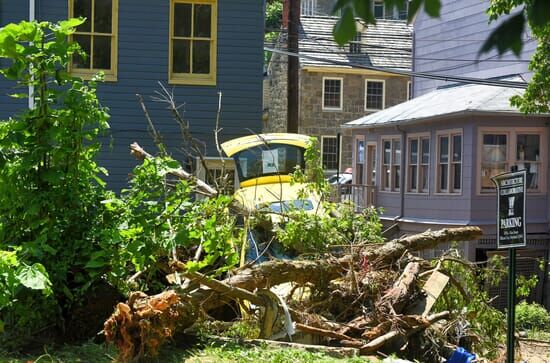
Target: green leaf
<point>35,277</point>
<point>344,30</point>
<point>432,7</point>
<point>539,12</point>
<point>507,36</point>
<point>19,95</point>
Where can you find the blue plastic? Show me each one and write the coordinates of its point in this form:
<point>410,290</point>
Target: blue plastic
<point>461,355</point>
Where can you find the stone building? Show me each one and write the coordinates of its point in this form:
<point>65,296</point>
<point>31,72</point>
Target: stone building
<point>336,84</point>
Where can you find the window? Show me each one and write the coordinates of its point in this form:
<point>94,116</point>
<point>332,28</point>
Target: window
<point>355,44</point>
<point>418,164</point>
<point>192,58</point>
<point>329,152</point>
<point>221,173</point>
<point>409,90</point>
<point>374,95</point>
<point>308,7</point>
<point>449,162</point>
<point>379,10</point>
<point>97,37</point>
<point>332,93</point>
<point>502,150</point>
<point>359,160</point>
<point>391,164</point>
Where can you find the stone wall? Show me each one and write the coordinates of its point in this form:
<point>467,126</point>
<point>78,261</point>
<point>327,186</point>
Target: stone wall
<point>317,122</point>
<point>277,105</point>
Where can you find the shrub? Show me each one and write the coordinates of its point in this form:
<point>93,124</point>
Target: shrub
<point>532,317</point>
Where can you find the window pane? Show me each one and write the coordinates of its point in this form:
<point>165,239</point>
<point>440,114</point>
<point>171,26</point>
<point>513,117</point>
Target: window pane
<point>528,147</point>
<point>355,45</point>
<point>425,151</point>
<point>103,16</point>
<point>396,177</point>
<point>83,8</point>
<point>456,177</point>
<point>379,10</point>
<point>532,175</point>
<point>494,148</point>
<point>489,170</point>
<point>203,20</point>
<point>181,54</point>
<point>375,94</point>
<point>443,172</point>
<point>85,43</point>
<point>444,149</point>
<point>457,148</point>
<point>201,56</point>
<point>412,178</point>
<point>182,20</point>
<point>102,52</point>
<point>424,177</point>
<point>360,151</point>
<point>332,93</point>
<point>387,152</point>
<point>414,151</point>
<point>386,171</point>
<point>396,152</point>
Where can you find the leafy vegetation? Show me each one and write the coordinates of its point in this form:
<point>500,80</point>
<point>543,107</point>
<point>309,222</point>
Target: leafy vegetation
<point>50,186</point>
<point>532,317</point>
<point>273,19</point>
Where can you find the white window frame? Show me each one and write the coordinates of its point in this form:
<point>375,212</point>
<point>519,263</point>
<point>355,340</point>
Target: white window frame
<point>341,79</point>
<point>374,3</point>
<point>511,159</point>
<point>213,162</point>
<point>391,165</point>
<point>338,151</point>
<point>309,6</point>
<point>450,176</point>
<point>419,137</point>
<point>383,93</point>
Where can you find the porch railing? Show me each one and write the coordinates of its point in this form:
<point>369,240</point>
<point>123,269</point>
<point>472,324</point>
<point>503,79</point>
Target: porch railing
<point>362,196</point>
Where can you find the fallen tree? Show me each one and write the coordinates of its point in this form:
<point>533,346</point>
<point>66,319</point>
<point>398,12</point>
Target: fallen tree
<point>141,325</point>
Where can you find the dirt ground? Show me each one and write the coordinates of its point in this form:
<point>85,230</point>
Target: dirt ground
<point>534,352</point>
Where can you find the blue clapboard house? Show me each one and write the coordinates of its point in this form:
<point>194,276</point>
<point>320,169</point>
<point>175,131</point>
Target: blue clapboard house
<point>195,48</point>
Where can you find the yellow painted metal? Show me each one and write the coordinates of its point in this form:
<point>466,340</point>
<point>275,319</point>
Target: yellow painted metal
<point>232,147</point>
<point>270,179</point>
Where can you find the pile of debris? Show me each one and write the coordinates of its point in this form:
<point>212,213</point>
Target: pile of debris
<point>374,298</point>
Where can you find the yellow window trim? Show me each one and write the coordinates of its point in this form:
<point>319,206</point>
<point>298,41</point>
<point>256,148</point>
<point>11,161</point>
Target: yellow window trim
<point>111,75</point>
<point>189,78</point>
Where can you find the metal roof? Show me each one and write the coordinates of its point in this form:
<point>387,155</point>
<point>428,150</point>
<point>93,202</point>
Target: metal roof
<point>388,44</point>
<point>471,98</point>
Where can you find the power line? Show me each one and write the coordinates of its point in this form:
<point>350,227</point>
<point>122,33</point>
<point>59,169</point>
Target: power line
<point>447,78</point>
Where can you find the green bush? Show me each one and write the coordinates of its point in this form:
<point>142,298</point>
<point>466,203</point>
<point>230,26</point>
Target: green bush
<point>532,317</point>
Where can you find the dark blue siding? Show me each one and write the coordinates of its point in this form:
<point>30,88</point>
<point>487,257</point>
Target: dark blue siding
<point>143,27</point>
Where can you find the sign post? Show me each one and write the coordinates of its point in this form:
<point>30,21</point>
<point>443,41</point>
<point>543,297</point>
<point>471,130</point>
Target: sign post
<point>511,233</point>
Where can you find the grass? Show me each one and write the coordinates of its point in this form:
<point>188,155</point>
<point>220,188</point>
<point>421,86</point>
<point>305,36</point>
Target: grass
<point>98,353</point>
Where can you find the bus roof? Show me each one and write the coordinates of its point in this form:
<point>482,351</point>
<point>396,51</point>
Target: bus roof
<point>232,147</point>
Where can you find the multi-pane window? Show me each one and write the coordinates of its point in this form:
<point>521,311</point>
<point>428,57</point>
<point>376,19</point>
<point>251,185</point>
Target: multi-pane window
<point>391,164</point>
<point>332,93</point>
<point>308,7</point>
<point>374,95</point>
<point>355,44</point>
<point>97,37</point>
<point>329,154</point>
<point>503,151</point>
<point>193,42</point>
<point>404,12</point>
<point>449,162</point>
<point>418,164</point>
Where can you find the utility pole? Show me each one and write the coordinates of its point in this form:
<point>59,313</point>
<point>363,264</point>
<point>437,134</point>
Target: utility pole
<point>293,66</point>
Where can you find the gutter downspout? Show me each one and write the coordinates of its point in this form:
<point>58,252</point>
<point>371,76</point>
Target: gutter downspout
<point>402,174</point>
<point>32,17</point>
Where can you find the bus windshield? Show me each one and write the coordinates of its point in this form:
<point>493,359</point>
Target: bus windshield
<point>270,159</point>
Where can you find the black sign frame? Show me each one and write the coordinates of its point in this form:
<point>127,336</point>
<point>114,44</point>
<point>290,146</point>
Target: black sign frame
<point>516,189</point>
